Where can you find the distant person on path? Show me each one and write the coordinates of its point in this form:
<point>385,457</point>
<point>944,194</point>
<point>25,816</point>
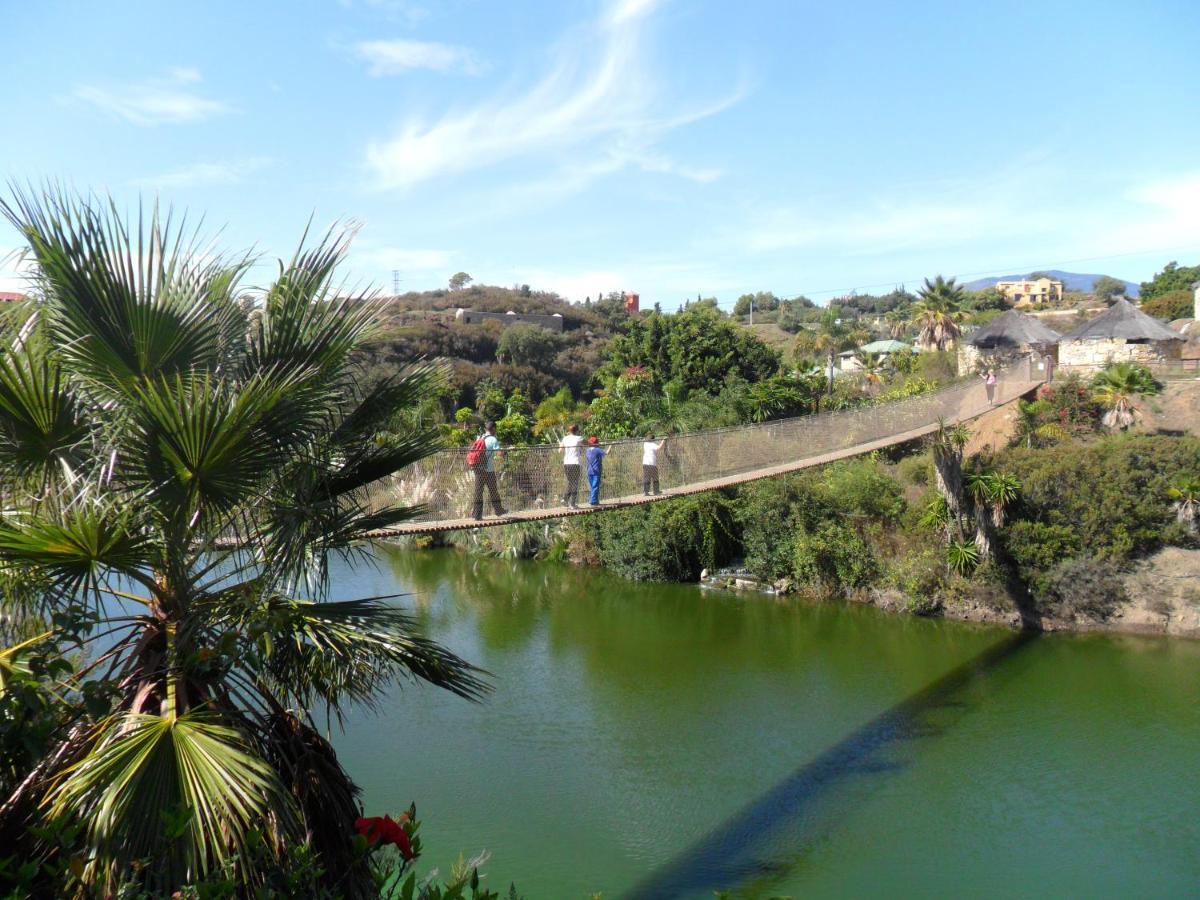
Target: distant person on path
<point>989,385</point>
<point>485,472</point>
<point>571,462</point>
<point>595,468</point>
<point>650,449</point>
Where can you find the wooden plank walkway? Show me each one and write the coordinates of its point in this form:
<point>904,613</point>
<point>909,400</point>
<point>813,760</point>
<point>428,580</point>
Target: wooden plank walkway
<point>1019,390</point>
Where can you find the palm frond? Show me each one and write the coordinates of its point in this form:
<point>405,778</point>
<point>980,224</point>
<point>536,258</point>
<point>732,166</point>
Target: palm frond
<point>303,324</point>
<point>335,652</point>
<point>124,304</point>
<point>41,427</point>
<point>183,790</point>
<point>77,550</point>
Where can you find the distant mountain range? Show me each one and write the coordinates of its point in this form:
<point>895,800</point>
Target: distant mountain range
<point>1072,281</point>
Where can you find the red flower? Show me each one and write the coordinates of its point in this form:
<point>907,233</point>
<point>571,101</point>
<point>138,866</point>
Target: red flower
<point>387,830</point>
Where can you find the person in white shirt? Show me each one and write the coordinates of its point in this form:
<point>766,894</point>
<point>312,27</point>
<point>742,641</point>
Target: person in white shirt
<point>571,462</point>
<point>650,449</point>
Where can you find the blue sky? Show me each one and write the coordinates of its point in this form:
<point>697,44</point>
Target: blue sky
<point>672,147</point>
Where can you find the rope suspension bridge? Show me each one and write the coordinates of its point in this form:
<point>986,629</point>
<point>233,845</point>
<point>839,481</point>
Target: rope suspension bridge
<point>531,478</point>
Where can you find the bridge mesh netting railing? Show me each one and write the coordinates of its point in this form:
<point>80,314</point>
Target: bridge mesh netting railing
<point>531,478</point>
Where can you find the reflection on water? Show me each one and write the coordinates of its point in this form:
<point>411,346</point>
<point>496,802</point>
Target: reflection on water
<point>633,722</point>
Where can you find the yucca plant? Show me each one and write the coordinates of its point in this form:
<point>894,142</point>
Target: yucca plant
<point>1186,494</point>
<point>1117,387</point>
<point>183,461</point>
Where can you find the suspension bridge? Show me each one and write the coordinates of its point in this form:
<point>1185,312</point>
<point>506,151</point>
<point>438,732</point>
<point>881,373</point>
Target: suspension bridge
<point>531,478</point>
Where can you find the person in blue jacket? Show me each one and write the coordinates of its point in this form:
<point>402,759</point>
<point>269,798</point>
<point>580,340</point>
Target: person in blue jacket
<point>595,468</point>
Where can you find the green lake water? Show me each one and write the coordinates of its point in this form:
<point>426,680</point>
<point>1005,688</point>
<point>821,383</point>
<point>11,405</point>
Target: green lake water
<point>662,741</point>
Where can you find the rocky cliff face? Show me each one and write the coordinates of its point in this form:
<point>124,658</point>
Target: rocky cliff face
<point>1164,594</point>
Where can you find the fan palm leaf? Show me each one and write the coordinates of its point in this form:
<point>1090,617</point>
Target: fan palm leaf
<point>184,789</point>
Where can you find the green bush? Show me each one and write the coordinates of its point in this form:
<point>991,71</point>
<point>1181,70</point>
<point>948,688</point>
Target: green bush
<point>915,469</point>
<point>919,576</point>
<point>668,541</point>
<point>1108,496</point>
<point>861,487</point>
<point>833,558</point>
<point>1038,545</point>
<point>769,511</point>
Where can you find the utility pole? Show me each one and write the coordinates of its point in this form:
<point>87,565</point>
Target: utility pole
<point>396,282</point>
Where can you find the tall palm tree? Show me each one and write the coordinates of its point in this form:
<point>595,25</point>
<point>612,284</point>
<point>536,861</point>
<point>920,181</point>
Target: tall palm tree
<point>938,312</point>
<point>1117,387</point>
<point>181,466</point>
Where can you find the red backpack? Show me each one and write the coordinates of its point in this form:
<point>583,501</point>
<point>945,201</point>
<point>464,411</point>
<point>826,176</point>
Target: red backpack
<point>475,454</point>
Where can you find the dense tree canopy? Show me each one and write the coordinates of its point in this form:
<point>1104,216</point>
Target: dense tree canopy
<point>528,345</point>
<point>1173,277</point>
<point>695,348</point>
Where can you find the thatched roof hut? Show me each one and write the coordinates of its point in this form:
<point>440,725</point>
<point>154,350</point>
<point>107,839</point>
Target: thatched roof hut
<point>1013,330</point>
<point>1121,334</point>
<point>1010,335</point>
<point>1123,321</point>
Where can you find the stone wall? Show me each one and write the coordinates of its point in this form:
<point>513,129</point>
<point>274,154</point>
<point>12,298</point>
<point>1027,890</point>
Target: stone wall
<point>1096,354</point>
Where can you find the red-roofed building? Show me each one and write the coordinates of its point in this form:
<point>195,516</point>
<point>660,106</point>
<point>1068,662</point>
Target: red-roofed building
<point>10,296</point>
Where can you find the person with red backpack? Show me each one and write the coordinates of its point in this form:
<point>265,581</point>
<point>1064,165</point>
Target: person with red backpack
<point>482,460</point>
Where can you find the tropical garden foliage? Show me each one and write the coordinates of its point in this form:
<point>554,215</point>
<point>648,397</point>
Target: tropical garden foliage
<point>179,464</point>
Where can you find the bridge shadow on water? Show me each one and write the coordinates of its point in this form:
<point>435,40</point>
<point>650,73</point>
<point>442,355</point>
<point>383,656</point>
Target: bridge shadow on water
<point>768,838</point>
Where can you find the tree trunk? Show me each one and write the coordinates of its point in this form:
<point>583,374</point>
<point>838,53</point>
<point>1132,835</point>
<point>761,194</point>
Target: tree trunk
<point>947,467</point>
<point>983,531</point>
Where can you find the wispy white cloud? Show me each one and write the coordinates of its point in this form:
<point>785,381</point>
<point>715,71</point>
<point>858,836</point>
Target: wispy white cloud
<point>395,57</point>
<point>600,93</point>
<point>205,174</point>
<point>167,100</point>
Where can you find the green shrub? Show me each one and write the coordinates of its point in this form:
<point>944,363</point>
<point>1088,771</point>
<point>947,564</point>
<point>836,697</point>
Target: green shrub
<point>770,511</point>
<point>1108,496</point>
<point>861,487</point>
<point>919,576</point>
<point>915,469</point>
<point>668,541</point>
<point>833,558</point>
<point>1038,545</point>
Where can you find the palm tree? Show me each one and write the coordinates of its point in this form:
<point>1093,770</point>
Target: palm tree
<point>1118,387</point>
<point>896,322</point>
<point>938,312</point>
<point>872,367</point>
<point>182,470</point>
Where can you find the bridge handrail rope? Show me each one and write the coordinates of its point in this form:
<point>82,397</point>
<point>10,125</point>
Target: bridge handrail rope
<point>531,479</point>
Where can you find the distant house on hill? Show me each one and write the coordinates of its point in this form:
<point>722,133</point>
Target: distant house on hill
<point>1031,290</point>
<point>1122,334</point>
<point>10,297</point>
<point>552,322</point>
<point>1010,335</point>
